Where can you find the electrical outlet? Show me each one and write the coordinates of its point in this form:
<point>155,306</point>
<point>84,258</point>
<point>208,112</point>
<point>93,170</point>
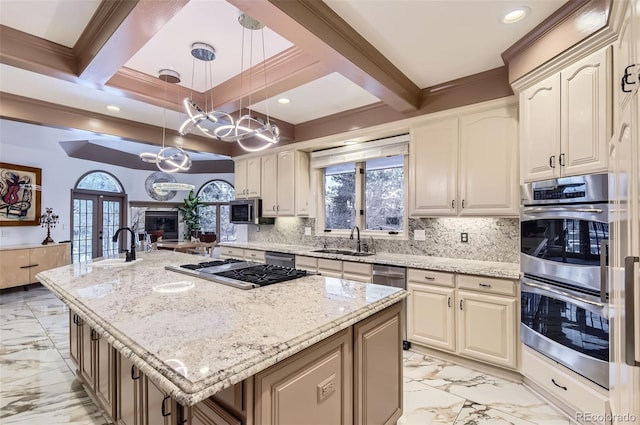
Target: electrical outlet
<point>464,237</point>
<point>419,235</point>
<point>307,231</point>
<point>326,388</point>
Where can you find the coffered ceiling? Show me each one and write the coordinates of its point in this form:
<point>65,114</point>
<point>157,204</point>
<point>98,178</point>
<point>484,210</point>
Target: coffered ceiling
<point>61,59</point>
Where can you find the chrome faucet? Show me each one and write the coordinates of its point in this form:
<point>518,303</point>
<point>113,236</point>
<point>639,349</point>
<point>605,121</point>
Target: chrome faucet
<point>351,237</point>
<point>130,255</point>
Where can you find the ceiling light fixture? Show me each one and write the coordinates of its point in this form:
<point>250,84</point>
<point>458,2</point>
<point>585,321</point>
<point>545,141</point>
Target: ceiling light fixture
<point>162,188</point>
<point>173,158</point>
<point>515,15</point>
<point>113,108</point>
<point>284,101</point>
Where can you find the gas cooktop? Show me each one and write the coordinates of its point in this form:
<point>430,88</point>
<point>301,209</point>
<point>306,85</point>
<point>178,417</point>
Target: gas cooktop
<point>239,274</point>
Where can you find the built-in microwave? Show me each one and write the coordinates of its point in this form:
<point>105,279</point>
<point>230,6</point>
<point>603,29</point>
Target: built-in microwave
<point>245,211</point>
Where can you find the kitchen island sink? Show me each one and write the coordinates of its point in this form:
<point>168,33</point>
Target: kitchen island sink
<point>319,346</point>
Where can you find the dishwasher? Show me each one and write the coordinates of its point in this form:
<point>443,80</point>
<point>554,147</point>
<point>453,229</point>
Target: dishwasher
<point>396,277</point>
<point>280,259</point>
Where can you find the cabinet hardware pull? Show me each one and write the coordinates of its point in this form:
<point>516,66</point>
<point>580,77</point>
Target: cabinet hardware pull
<point>164,412</point>
<point>463,203</point>
<point>558,385</point>
<point>461,304</point>
<point>430,278</point>
<point>449,302</point>
<point>76,319</point>
<point>94,335</point>
<point>629,287</point>
<point>552,161</point>
<point>29,266</point>
<point>274,207</point>
<point>484,285</point>
<point>561,160</point>
<point>277,207</point>
<point>453,203</point>
<point>133,376</point>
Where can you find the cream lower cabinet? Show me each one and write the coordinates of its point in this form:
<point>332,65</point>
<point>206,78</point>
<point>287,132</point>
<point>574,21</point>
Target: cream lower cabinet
<point>471,316</point>
<point>20,265</point>
<point>254,255</point>
<point>330,268</point>
<point>309,264</point>
<point>350,270</point>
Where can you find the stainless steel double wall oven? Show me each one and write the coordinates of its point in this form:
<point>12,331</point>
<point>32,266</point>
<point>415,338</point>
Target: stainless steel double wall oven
<point>564,260</point>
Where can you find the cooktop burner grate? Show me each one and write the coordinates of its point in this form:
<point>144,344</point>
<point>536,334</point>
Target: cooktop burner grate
<point>263,274</point>
<point>205,264</point>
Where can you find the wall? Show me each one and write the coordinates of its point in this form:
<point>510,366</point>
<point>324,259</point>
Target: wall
<point>37,146</point>
<point>490,239</point>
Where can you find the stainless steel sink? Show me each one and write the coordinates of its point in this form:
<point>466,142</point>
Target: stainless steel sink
<point>343,252</point>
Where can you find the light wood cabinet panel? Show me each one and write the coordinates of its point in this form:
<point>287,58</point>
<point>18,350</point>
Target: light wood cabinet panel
<point>489,181</point>
<point>87,356</point>
<point>360,272</point>
<point>286,183</point>
<point>306,263</point>
<point>240,178</point>
<point>313,387</point>
<point>231,252</point>
<point>377,370</point>
<point>431,277</point>
<point>269,181</point>
<point>129,393</point>
<point>105,375</point>
<point>302,183</point>
<point>433,172</point>
<point>74,337</point>
<point>15,268</point>
<point>254,255</point>
<point>430,316</point>
<point>487,284</point>
<point>540,129</point>
<point>585,107</point>
<point>284,176</point>
<point>158,408</point>
<point>20,265</point>
<point>487,328</point>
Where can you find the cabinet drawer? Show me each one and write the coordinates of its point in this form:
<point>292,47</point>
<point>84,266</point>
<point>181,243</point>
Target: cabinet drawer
<point>254,255</point>
<point>569,388</point>
<point>356,268</point>
<point>487,284</point>
<point>232,252</point>
<point>324,264</point>
<point>431,277</point>
<point>306,263</point>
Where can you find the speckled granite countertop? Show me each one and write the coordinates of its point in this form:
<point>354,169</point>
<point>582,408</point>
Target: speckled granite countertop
<point>193,337</point>
<point>454,265</point>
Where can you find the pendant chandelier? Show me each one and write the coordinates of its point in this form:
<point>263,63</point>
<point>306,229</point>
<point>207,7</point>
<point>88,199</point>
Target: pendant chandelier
<point>250,132</point>
<point>169,159</point>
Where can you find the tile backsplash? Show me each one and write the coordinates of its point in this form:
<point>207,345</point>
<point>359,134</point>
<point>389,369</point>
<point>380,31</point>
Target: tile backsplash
<point>490,239</point>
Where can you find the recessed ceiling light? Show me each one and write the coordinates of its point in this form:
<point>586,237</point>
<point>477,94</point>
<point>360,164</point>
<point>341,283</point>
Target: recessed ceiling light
<point>113,108</point>
<point>515,15</point>
<point>284,101</point>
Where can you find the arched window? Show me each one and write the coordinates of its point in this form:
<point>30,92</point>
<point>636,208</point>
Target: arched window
<point>98,211</point>
<point>99,180</point>
<point>214,214</point>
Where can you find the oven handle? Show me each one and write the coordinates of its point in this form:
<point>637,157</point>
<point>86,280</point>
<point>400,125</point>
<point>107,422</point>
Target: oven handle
<point>629,310</point>
<point>540,210</point>
<point>564,294</point>
<point>604,278</point>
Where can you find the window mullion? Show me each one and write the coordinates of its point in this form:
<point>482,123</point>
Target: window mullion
<point>359,196</point>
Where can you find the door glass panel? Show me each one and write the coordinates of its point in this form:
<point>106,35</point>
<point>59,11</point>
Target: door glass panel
<point>564,240</point>
<point>110,224</point>
<point>82,230</point>
<point>567,324</point>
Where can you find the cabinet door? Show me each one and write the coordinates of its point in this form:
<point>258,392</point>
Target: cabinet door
<point>129,398</point>
<point>15,267</point>
<point>87,356</point>
<point>48,257</point>
<point>269,185</point>
<point>253,177</point>
<point>433,169</point>
<point>586,107</point>
<point>158,407</point>
<point>105,375</point>
<point>74,337</point>
<point>313,387</point>
<point>540,130</point>
<point>489,172</point>
<point>430,316</point>
<point>207,412</point>
<point>286,183</point>
<point>240,175</point>
<point>487,328</point>
<point>302,179</point>
<point>377,369</point>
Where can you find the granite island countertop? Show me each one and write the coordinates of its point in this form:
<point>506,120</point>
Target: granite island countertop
<point>193,337</point>
<point>452,265</point>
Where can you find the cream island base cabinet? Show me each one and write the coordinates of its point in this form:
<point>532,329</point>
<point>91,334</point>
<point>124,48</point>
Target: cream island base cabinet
<point>351,377</point>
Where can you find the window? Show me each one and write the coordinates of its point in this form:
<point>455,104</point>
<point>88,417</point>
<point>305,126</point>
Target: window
<point>368,194</point>
<point>99,180</point>
<point>214,213</point>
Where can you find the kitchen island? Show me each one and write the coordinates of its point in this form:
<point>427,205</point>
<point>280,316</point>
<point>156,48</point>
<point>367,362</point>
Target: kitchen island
<point>183,339</point>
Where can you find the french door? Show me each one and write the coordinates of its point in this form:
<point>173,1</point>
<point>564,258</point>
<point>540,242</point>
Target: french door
<point>96,217</point>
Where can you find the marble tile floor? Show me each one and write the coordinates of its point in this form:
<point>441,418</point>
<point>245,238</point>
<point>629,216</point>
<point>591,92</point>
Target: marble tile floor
<point>38,385</point>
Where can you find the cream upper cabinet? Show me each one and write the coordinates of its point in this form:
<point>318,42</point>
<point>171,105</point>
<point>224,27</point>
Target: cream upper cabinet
<point>247,178</point>
<point>433,170</point>
<point>489,181</point>
<point>564,121</point>
<point>466,165</point>
<point>285,184</point>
